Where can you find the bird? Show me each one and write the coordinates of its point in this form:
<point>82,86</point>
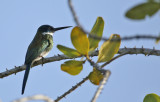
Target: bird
<point>39,48</point>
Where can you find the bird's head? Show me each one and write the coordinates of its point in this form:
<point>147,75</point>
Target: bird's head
<point>47,29</point>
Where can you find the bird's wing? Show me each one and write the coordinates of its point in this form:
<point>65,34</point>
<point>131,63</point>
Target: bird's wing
<point>35,49</point>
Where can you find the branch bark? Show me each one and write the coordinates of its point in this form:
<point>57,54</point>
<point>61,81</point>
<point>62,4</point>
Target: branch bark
<point>72,89</point>
<point>144,51</point>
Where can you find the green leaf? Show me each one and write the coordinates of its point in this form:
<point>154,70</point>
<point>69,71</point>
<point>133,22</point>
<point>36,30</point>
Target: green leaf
<point>95,77</point>
<point>142,10</point>
<point>68,51</point>
<point>97,30</point>
<point>109,48</point>
<point>72,67</point>
<point>157,40</point>
<point>80,41</point>
<point>151,98</point>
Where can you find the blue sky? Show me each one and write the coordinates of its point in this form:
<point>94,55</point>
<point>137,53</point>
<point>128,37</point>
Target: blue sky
<point>133,76</point>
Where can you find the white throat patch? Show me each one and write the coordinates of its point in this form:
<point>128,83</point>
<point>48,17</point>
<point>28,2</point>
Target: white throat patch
<point>49,33</point>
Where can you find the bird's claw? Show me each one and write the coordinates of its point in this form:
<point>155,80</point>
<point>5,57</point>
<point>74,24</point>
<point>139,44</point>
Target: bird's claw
<point>42,61</point>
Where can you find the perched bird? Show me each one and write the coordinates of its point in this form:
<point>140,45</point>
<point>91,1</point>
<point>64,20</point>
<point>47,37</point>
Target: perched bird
<point>39,48</point>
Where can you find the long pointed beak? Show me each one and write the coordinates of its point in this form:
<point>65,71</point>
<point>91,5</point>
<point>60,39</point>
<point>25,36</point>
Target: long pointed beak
<point>59,28</point>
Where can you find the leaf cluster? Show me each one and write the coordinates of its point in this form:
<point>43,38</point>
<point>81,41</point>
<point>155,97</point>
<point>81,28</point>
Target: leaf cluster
<point>84,46</point>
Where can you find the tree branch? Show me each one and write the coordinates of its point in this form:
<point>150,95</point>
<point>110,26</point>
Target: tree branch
<point>142,50</point>
<point>21,68</point>
<point>93,64</point>
<point>35,97</point>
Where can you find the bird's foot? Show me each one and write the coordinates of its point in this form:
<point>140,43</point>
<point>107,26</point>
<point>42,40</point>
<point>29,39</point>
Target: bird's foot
<point>42,61</point>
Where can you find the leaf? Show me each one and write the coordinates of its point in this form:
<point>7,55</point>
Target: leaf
<point>142,10</point>
<point>109,48</point>
<point>97,30</point>
<point>68,51</point>
<point>157,40</point>
<point>151,98</point>
<point>95,77</point>
<point>80,41</point>
<point>72,67</point>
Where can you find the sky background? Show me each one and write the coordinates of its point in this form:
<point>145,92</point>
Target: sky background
<point>133,76</point>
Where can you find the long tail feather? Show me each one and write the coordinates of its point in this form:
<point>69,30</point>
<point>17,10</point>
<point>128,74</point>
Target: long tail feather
<point>25,77</point>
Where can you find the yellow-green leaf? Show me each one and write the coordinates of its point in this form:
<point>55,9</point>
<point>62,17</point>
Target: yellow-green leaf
<point>95,77</point>
<point>157,41</point>
<point>72,67</point>
<point>142,10</point>
<point>80,41</point>
<point>97,30</point>
<point>68,51</point>
<point>151,98</point>
<point>109,48</point>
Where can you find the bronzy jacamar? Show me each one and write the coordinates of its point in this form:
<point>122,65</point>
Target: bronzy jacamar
<point>39,48</point>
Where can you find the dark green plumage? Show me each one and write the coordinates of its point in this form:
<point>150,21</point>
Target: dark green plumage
<point>40,43</point>
<point>39,47</point>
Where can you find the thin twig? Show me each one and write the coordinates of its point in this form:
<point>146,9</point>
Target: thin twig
<point>74,13</point>
<point>103,65</point>
<point>92,63</point>
<point>103,82</point>
<point>126,38</point>
<point>72,89</point>
<point>95,65</point>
